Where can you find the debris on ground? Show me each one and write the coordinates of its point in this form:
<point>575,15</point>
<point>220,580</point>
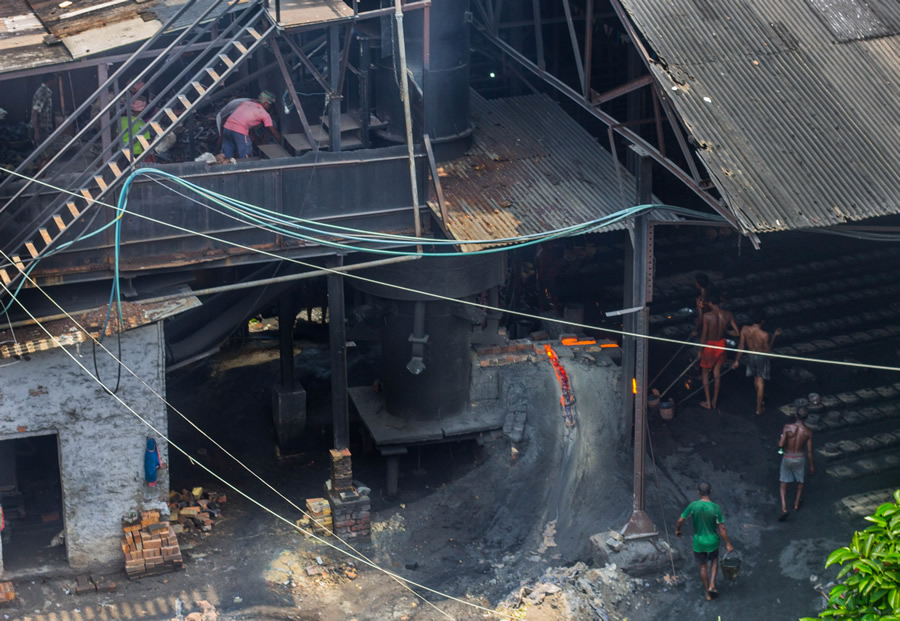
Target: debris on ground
<point>577,592</point>
<point>195,510</point>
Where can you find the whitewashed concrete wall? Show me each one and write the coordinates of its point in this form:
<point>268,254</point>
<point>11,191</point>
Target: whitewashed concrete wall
<point>101,443</point>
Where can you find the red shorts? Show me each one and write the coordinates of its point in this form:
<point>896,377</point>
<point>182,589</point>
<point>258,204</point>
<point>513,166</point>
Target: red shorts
<point>712,357</point>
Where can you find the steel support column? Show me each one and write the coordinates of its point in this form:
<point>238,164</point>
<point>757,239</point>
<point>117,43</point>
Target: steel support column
<point>639,524</point>
<point>286,339</point>
<point>334,97</point>
<point>337,337</point>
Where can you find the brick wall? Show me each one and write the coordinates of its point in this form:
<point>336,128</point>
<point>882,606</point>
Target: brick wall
<point>101,444</point>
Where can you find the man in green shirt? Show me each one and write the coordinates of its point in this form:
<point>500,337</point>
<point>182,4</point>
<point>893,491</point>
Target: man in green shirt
<point>709,525</point>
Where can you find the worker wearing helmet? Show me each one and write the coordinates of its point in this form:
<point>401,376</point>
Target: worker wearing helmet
<point>248,114</point>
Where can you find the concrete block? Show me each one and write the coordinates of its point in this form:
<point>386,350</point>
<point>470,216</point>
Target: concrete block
<point>289,416</point>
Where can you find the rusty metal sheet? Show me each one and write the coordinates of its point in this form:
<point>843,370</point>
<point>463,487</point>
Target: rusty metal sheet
<point>32,338</point>
<point>531,168</point>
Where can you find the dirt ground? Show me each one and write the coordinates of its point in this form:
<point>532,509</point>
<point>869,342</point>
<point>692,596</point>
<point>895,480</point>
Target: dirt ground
<point>480,532</point>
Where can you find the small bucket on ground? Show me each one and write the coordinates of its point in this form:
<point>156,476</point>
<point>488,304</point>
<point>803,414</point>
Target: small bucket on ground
<point>730,565</point>
<point>667,410</point>
<point>653,400</point>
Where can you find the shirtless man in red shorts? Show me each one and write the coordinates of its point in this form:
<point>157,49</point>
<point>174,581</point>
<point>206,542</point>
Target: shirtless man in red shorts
<point>715,322</point>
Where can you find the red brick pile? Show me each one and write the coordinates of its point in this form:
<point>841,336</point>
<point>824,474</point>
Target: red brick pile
<point>195,510</point>
<point>7,592</point>
<point>150,547</point>
<point>350,509</point>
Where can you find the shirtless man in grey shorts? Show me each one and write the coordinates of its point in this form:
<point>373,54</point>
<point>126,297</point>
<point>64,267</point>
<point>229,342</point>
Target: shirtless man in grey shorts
<point>755,340</point>
<point>796,440</point>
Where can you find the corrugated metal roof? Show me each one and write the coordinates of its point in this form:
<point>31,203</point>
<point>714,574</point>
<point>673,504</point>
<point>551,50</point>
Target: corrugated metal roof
<point>531,168</point>
<point>796,130</point>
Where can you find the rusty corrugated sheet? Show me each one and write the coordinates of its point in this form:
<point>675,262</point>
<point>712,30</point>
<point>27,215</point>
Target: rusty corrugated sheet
<point>796,129</point>
<point>32,338</point>
<point>531,168</point>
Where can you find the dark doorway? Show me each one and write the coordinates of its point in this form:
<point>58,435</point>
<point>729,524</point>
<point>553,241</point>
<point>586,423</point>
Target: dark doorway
<point>31,494</point>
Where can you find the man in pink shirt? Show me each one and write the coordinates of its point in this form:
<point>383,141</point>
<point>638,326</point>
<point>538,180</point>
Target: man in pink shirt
<point>236,131</point>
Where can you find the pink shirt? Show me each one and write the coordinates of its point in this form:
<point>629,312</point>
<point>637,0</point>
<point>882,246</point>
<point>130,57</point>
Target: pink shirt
<point>247,115</point>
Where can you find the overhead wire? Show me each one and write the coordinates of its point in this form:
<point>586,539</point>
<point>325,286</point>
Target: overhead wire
<point>358,557</point>
<point>438,296</point>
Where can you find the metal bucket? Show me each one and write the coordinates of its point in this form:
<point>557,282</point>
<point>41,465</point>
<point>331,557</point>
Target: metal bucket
<point>667,410</point>
<point>730,565</point>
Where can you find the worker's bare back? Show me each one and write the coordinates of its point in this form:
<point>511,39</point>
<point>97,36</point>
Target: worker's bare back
<point>715,322</point>
<point>797,437</point>
<point>756,339</point>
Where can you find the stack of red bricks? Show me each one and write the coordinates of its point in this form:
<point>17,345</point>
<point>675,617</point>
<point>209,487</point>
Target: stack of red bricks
<point>342,472</point>
<point>150,547</point>
<point>350,510</point>
<point>196,509</point>
<point>7,592</point>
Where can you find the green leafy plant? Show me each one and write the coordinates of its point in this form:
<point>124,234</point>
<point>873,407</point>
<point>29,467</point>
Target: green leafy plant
<point>868,585</point>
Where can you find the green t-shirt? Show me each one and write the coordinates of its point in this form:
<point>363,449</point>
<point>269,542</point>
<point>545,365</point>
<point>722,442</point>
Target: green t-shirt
<point>707,516</point>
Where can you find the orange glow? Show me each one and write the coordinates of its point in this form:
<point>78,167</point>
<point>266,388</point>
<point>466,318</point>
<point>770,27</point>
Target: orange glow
<point>634,385</point>
<point>573,340</point>
<point>605,345</point>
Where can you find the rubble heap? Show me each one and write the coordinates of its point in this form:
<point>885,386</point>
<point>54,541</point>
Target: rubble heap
<point>320,513</point>
<point>7,592</point>
<point>195,510</point>
<point>150,546</point>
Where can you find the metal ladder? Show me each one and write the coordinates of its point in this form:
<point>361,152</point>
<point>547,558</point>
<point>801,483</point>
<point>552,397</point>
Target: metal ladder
<point>229,45</point>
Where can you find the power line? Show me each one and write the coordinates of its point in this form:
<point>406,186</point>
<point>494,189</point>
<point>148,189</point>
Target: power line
<point>438,296</point>
<point>161,435</point>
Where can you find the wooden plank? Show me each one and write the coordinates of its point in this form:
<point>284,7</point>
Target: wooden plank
<point>100,182</point>
<point>254,33</point>
<point>31,249</point>
<point>157,128</point>
<point>5,277</point>
<point>240,47</point>
<point>18,263</point>
<point>225,59</point>
<point>185,102</point>
<point>212,73</point>
<point>87,195</point>
<point>115,169</point>
<point>45,235</point>
<point>199,88</point>
<point>60,223</point>
<point>171,114</point>
<point>73,209</point>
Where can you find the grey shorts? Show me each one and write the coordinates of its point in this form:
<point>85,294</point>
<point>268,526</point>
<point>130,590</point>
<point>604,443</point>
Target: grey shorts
<point>793,469</point>
<point>758,366</point>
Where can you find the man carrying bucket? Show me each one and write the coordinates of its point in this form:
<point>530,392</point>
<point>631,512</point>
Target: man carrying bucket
<point>709,526</point>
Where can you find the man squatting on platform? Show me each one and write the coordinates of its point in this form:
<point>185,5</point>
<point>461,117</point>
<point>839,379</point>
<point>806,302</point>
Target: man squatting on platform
<point>709,525</point>
<point>795,438</point>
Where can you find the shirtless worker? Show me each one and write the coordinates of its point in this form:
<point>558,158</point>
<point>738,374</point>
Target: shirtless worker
<point>709,525</point>
<point>701,281</point>
<point>796,438</point>
<point>715,322</point>
<point>756,340</point>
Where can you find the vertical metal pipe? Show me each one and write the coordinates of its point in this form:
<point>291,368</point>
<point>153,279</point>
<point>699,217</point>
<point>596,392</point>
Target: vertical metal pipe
<point>338,340</point>
<point>334,98</point>
<point>640,525</point>
<point>574,38</point>
<point>588,44</point>
<point>538,34</point>
<point>364,104</point>
<point>286,340</point>
<point>404,95</point>
<point>102,76</point>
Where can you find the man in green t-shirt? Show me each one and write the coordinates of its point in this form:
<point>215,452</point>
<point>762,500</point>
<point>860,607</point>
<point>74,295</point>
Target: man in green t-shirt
<point>709,525</point>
